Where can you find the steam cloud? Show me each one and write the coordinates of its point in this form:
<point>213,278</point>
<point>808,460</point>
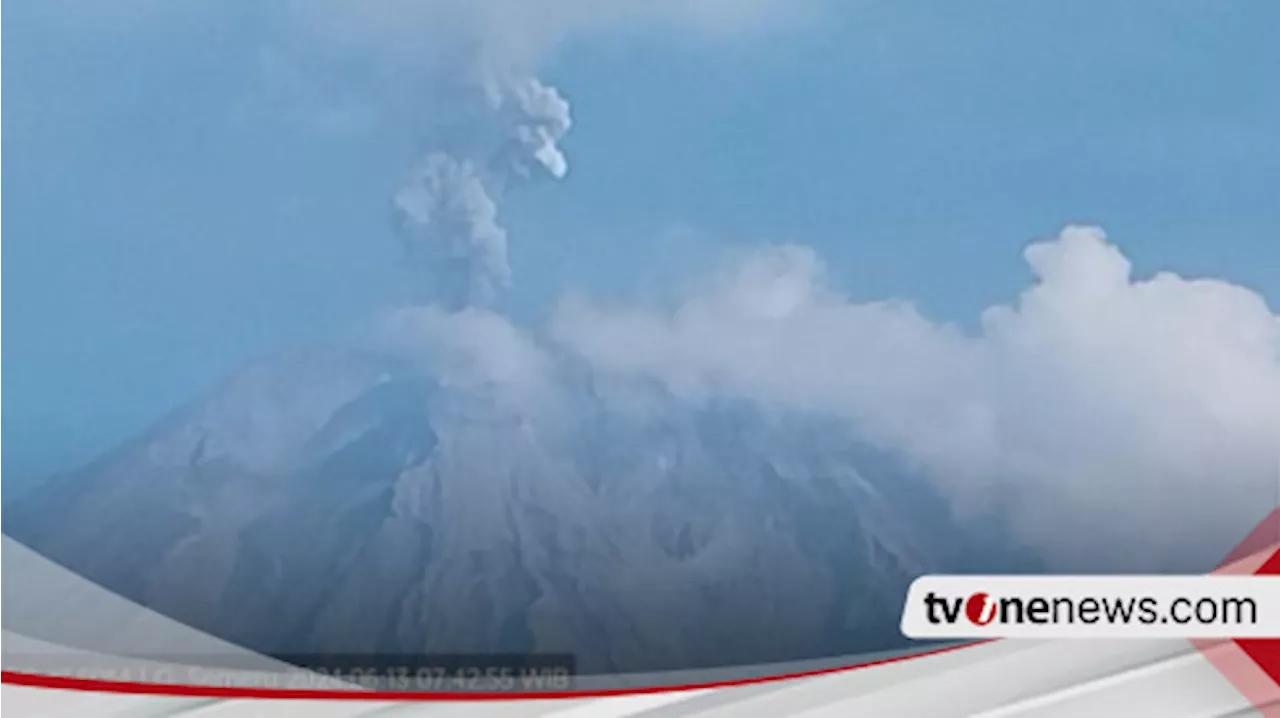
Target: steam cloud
<point>1120,423</point>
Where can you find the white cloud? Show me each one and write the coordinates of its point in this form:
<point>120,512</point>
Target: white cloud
<point>469,349</point>
<point>1135,421</point>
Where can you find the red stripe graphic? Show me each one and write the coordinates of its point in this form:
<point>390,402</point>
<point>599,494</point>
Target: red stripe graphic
<point>199,691</point>
<point>1252,665</point>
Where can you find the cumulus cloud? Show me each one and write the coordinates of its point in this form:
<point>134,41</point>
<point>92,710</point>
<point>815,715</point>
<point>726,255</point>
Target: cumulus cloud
<point>1118,421</point>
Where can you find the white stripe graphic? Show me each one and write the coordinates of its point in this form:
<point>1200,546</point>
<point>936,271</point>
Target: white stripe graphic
<point>622,706</point>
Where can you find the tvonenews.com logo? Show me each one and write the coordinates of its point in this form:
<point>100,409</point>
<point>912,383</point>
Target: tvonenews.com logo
<point>1093,607</point>
<point>981,609</point>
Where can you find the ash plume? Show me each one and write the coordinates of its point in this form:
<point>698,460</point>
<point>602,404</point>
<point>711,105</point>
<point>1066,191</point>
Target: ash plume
<point>447,207</point>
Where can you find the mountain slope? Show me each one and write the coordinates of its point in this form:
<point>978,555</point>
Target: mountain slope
<point>346,503</point>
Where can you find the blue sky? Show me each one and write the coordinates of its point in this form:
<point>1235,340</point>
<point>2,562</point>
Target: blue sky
<point>173,213</point>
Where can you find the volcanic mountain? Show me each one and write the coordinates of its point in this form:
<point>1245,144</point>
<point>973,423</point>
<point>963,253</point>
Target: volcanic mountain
<point>345,501</point>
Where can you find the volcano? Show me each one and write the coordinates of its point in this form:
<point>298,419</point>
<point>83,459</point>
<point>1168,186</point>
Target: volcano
<point>348,502</point>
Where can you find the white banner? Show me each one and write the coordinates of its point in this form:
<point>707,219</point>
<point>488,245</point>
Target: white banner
<point>1093,607</point>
